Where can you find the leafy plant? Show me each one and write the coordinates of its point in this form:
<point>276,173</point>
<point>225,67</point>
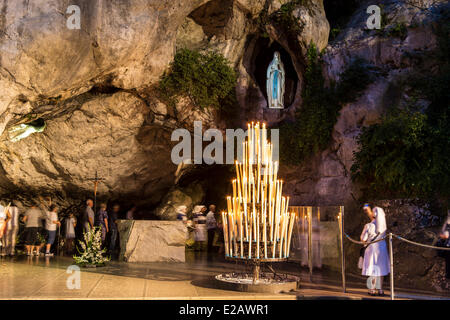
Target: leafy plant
<point>91,252</point>
<point>408,153</point>
<point>206,79</point>
<point>399,30</point>
<point>354,80</point>
<point>311,132</point>
<point>394,157</point>
<point>283,17</point>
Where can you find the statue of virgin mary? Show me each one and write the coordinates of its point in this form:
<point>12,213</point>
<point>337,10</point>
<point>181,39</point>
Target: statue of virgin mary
<point>275,82</point>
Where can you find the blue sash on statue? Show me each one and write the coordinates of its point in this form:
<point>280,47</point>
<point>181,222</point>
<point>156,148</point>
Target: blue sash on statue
<point>275,85</point>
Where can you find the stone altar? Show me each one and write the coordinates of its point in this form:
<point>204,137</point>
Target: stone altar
<point>152,240</point>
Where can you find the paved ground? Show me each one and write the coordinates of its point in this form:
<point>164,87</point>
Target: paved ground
<point>46,278</point>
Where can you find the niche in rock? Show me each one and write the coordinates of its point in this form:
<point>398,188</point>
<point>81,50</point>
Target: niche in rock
<point>262,55</point>
<point>213,16</point>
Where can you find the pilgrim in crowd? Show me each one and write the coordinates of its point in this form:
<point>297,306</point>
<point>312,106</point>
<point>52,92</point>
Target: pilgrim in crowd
<point>51,224</point>
<point>112,218</point>
<point>88,216</point>
<point>70,235</point>
<point>5,217</point>
<point>211,226</point>
<point>12,230</point>
<point>203,228</point>
<point>199,220</point>
<point>101,220</point>
<point>444,242</point>
<point>131,213</point>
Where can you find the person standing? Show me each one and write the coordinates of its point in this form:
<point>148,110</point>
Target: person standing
<point>181,213</point>
<point>200,226</point>
<point>113,228</point>
<point>12,230</point>
<point>32,219</point>
<point>130,213</point>
<point>70,224</point>
<point>5,216</point>
<point>88,216</point>
<point>211,226</point>
<point>376,258</point>
<point>445,239</point>
<point>51,224</point>
<point>101,220</point>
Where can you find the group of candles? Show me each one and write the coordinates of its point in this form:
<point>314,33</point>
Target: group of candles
<point>257,223</point>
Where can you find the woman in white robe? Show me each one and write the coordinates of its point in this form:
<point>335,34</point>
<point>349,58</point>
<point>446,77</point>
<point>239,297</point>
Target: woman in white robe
<point>376,258</point>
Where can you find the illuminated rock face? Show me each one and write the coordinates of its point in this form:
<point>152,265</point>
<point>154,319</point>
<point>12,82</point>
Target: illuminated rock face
<point>93,87</point>
<point>83,83</point>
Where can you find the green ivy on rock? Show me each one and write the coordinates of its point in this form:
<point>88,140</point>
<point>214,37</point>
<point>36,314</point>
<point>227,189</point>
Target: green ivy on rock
<point>207,79</point>
<point>407,154</point>
<point>313,126</point>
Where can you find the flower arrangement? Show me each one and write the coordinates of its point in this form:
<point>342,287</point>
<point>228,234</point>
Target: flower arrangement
<point>91,253</point>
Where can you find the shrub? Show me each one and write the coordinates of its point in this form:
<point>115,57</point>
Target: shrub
<point>283,17</point>
<point>354,80</point>
<point>394,155</point>
<point>311,132</point>
<point>407,154</point>
<point>206,79</point>
<point>399,30</point>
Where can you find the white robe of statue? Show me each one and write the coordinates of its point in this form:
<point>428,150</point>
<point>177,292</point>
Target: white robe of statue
<point>376,257</point>
<point>275,83</point>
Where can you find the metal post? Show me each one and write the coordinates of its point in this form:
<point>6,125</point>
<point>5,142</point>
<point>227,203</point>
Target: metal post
<point>391,256</point>
<point>341,238</point>
<point>310,264</point>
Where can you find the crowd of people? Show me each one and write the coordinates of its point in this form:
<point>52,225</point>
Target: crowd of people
<point>204,230</point>
<point>44,230</point>
<point>42,227</point>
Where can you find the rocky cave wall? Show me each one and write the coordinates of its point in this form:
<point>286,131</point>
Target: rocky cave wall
<point>94,88</point>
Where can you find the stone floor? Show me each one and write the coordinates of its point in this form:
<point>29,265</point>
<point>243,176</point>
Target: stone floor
<point>46,278</point>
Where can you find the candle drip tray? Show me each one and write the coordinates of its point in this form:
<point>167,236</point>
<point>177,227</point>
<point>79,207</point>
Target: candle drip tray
<point>267,282</point>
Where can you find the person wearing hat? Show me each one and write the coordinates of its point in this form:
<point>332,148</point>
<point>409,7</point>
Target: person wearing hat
<point>200,226</point>
<point>181,213</point>
<point>376,258</point>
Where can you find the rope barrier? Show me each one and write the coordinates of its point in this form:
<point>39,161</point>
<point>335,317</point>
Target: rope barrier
<point>362,242</point>
<point>399,238</point>
<point>420,244</point>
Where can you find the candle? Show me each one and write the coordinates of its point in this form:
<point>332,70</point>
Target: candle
<point>225,232</point>
<point>265,232</point>
<point>250,240</point>
<point>291,226</point>
<point>265,213</point>
<point>257,235</point>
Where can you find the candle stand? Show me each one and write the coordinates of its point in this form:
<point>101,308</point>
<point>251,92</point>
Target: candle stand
<point>257,225</point>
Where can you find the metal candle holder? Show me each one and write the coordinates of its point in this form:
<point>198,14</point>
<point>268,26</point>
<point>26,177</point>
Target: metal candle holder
<point>257,224</point>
